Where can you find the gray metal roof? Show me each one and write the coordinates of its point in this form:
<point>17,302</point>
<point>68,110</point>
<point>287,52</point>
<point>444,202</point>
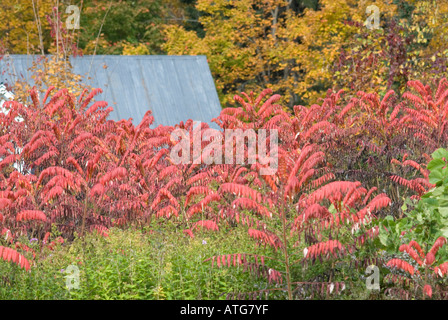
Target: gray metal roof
<point>175,88</point>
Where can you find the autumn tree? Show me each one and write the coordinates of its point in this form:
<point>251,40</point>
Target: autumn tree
<point>250,45</point>
<point>410,45</point>
<point>21,24</point>
<point>300,49</point>
<point>47,71</point>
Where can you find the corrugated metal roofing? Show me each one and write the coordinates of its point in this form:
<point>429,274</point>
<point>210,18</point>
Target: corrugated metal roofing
<point>175,88</point>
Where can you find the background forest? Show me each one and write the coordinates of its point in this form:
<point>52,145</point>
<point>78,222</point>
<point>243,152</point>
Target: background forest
<point>358,208</point>
<point>297,48</point>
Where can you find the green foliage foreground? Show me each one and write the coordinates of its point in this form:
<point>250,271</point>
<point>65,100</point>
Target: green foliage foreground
<point>131,264</point>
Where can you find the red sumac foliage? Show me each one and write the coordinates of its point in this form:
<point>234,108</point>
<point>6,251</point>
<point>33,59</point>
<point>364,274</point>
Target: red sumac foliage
<point>12,255</point>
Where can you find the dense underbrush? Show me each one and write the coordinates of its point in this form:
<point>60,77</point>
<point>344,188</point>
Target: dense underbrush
<point>354,187</point>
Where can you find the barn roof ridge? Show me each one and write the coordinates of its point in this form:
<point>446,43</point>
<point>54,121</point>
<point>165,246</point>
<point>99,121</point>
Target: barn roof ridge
<point>175,88</point>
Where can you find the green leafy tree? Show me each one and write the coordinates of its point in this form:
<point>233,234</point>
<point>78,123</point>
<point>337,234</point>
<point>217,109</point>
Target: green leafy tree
<point>108,27</point>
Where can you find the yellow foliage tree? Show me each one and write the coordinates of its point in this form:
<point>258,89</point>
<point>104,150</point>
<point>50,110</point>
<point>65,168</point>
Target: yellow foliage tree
<point>23,24</point>
<point>248,44</point>
<point>54,70</point>
<point>132,50</point>
<point>254,44</point>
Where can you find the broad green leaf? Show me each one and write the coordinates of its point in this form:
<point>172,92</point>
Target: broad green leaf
<point>383,237</point>
<point>435,176</point>
<point>445,173</point>
<point>437,192</point>
<point>436,164</point>
<point>440,153</point>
